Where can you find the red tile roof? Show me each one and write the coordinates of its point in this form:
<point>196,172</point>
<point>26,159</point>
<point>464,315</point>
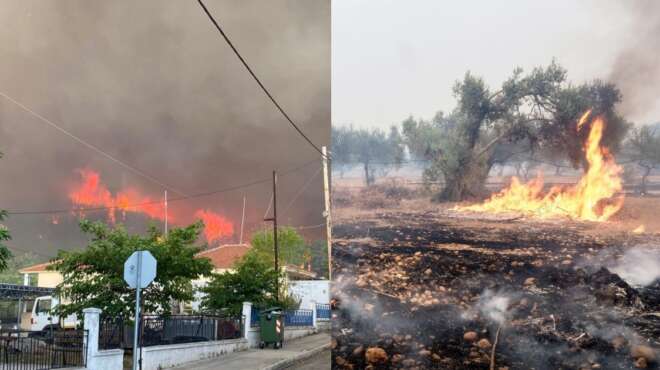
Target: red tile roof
<point>41,267</point>
<point>224,256</point>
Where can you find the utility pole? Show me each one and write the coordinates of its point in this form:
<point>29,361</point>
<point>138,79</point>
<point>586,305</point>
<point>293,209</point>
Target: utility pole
<point>274,219</point>
<point>165,213</point>
<point>327,213</point>
<point>242,221</point>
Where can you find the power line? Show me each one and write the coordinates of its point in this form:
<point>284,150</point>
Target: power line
<point>88,145</point>
<point>302,189</point>
<point>231,45</point>
<point>309,226</point>
<point>175,199</point>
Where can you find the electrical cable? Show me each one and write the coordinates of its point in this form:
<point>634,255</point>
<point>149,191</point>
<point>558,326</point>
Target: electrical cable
<point>270,96</point>
<point>88,145</point>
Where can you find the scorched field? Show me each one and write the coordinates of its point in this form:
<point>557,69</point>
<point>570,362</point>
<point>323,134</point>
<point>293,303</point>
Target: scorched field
<point>422,285</point>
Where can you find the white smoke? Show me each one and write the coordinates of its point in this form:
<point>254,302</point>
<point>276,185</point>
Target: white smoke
<point>638,266</point>
<point>494,306</point>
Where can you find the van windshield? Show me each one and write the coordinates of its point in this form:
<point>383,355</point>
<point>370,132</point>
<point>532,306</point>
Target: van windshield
<point>43,305</point>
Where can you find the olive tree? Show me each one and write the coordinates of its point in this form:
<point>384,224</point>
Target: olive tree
<point>539,109</point>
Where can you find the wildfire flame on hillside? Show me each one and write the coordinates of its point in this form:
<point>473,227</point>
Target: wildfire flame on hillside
<point>91,192</point>
<point>215,225</point>
<point>593,198</point>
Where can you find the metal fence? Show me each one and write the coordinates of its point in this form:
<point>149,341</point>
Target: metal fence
<point>160,330</point>
<point>163,330</point>
<point>254,317</point>
<point>38,350</point>
<point>323,311</point>
<point>299,318</point>
<point>112,333</point>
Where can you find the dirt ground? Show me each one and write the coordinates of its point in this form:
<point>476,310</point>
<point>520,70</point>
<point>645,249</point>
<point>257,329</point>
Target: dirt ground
<point>421,286</point>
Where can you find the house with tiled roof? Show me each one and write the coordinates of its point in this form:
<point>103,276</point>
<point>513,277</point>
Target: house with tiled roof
<point>222,257</point>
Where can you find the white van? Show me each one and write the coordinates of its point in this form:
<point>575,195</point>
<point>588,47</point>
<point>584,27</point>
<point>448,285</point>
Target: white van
<point>42,319</point>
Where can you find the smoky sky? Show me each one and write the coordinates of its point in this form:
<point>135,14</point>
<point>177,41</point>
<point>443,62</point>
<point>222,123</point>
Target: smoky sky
<point>636,69</point>
<point>405,57</point>
<point>154,85</point>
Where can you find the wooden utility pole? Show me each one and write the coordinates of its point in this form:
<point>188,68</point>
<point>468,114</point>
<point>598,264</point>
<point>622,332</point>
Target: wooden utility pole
<point>327,213</point>
<point>242,221</point>
<point>274,219</point>
<point>166,213</point>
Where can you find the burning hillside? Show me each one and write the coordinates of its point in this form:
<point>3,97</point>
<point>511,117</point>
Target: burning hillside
<point>90,192</point>
<point>595,197</point>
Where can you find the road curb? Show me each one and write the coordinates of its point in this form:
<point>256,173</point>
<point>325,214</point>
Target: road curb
<point>299,357</point>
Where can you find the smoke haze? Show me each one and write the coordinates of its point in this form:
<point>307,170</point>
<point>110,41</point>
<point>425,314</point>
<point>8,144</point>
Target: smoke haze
<point>153,84</point>
<point>636,69</point>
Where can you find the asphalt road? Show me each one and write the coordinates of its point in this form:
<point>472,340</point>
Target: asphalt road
<point>318,362</point>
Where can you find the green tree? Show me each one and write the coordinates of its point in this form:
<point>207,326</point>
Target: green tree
<point>643,148</point>
<point>93,277</point>
<point>5,254</point>
<point>539,108</point>
<point>291,246</point>
<point>253,280</point>
<point>17,262</point>
<point>319,254</point>
<point>375,150</point>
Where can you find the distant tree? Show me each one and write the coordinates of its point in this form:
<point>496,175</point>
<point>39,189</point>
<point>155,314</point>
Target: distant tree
<point>5,254</point>
<point>375,150</point>
<point>643,147</point>
<point>341,149</point>
<point>17,262</point>
<point>540,109</point>
<point>291,246</point>
<point>319,256</point>
<point>93,277</point>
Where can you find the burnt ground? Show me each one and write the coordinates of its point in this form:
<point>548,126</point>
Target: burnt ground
<point>429,290</point>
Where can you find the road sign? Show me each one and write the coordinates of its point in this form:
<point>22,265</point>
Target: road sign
<point>139,272</point>
<point>140,264</point>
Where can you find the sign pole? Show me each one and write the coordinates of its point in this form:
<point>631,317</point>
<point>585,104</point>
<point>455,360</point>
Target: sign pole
<point>137,311</point>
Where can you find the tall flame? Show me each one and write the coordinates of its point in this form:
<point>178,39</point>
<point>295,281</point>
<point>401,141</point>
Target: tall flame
<point>593,198</point>
<point>215,225</point>
<point>91,192</point>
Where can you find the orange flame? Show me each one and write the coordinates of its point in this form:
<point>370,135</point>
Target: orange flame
<point>90,192</point>
<point>593,198</point>
<point>639,229</point>
<point>215,225</point>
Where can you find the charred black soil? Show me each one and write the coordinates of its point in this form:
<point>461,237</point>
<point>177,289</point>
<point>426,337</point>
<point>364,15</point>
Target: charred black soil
<point>429,290</point>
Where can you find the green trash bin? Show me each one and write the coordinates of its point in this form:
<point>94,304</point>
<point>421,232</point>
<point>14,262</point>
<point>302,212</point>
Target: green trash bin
<point>271,327</point>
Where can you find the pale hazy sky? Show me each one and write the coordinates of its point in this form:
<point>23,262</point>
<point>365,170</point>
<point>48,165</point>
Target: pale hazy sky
<point>394,58</point>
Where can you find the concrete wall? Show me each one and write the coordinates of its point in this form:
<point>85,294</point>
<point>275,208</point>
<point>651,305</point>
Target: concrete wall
<point>310,291</point>
<point>323,325</point>
<point>293,332</point>
<point>99,360</point>
<point>159,357</point>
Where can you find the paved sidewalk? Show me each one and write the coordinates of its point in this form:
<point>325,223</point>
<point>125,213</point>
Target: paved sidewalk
<point>266,359</point>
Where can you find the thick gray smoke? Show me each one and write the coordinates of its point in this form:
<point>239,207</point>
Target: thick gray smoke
<point>153,84</point>
<point>636,70</point>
